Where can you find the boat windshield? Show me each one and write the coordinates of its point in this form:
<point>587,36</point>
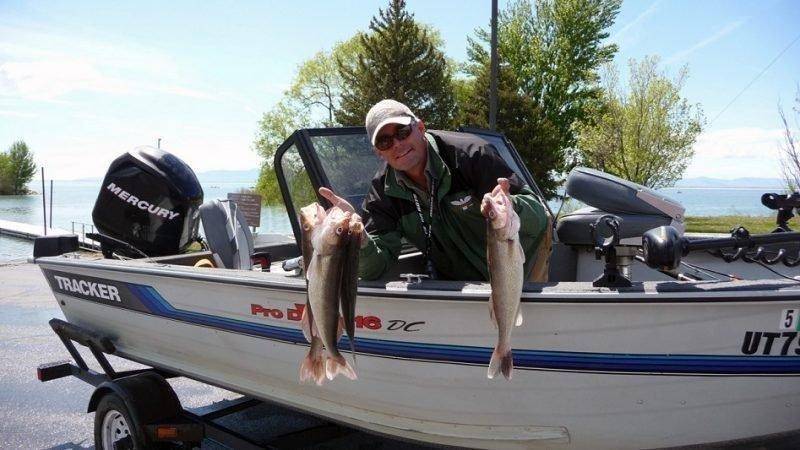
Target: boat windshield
<point>350,163</point>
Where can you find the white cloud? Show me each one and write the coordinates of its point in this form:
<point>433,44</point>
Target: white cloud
<point>736,153</point>
<point>46,80</point>
<point>20,114</point>
<point>621,35</point>
<point>724,31</point>
<point>744,142</point>
<point>46,65</point>
<point>87,156</point>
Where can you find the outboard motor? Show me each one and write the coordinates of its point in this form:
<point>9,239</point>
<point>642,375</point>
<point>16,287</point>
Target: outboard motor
<point>148,205</point>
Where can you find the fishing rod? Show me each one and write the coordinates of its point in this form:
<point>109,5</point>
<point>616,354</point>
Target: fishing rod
<point>663,247</point>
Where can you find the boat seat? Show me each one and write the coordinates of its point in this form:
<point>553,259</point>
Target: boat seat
<point>227,234</point>
<point>573,228</point>
<point>618,196</point>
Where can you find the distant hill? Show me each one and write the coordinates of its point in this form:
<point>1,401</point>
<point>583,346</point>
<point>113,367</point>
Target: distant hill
<point>750,182</point>
<point>229,176</point>
<point>214,176</point>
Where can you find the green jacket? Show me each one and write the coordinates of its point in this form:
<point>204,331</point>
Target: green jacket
<point>465,167</point>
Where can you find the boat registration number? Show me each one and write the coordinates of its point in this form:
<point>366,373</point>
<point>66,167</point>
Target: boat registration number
<point>790,320</point>
<point>785,341</point>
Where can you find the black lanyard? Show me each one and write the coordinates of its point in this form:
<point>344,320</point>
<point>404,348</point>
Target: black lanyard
<point>427,227</point>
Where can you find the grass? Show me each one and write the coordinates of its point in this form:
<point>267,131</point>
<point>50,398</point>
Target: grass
<point>724,224</point>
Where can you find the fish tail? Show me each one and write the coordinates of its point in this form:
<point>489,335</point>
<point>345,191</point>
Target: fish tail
<point>313,366</point>
<point>336,365</point>
<point>502,362</point>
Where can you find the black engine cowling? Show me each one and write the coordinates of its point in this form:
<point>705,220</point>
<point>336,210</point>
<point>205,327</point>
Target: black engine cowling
<point>149,200</point>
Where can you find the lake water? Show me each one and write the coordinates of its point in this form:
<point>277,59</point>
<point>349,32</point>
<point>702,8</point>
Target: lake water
<point>74,200</point>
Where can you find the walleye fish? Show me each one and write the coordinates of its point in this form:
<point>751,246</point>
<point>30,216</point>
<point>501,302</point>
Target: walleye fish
<point>505,259</point>
<point>349,286</point>
<point>313,365</point>
<point>324,284</point>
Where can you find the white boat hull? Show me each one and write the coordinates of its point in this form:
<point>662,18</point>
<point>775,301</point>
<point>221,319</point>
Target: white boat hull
<point>594,368</point>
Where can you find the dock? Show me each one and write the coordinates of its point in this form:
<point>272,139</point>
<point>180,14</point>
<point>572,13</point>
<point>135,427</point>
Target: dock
<point>31,232</point>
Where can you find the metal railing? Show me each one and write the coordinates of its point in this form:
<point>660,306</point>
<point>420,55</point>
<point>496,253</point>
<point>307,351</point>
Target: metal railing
<point>84,242</point>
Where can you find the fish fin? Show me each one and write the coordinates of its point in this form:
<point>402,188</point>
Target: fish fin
<point>313,366</point>
<point>519,318</point>
<point>338,365</point>
<point>353,350</point>
<point>305,370</point>
<point>306,323</point>
<point>319,364</point>
<point>502,362</point>
<point>491,313</point>
<point>340,329</point>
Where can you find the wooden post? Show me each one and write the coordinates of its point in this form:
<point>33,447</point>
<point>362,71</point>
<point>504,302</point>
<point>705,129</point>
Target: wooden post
<point>44,205</point>
<point>494,70</point>
<point>51,203</point>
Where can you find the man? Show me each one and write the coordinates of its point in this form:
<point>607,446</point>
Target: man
<point>429,191</point>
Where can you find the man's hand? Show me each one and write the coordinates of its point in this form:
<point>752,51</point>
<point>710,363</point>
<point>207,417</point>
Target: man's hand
<point>500,193</point>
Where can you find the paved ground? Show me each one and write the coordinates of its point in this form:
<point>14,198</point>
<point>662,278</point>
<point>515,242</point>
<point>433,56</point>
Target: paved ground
<point>35,415</point>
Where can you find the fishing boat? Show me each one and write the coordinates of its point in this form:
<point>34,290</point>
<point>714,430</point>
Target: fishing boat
<point>644,337</point>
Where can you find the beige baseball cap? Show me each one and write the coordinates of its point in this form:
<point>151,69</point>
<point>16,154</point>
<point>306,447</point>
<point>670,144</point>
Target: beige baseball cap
<point>385,112</point>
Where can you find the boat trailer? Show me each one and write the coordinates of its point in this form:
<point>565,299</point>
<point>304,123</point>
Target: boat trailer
<point>139,409</point>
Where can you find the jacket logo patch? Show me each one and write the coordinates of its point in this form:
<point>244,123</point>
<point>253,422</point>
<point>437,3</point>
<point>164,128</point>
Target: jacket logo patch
<point>464,203</point>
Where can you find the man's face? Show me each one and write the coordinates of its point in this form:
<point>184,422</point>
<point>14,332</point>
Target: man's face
<point>410,154</point>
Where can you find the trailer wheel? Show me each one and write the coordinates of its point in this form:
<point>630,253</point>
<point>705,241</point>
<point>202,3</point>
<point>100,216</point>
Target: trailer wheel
<point>114,427</point>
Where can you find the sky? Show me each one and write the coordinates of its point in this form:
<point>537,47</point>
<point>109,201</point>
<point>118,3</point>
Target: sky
<point>81,82</point>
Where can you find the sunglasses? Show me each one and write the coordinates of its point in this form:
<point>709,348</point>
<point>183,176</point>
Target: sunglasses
<point>386,141</point>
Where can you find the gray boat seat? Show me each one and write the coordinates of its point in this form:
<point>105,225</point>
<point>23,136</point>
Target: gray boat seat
<point>573,228</point>
<point>618,196</point>
<point>639,208</point>
<point>227,234</point>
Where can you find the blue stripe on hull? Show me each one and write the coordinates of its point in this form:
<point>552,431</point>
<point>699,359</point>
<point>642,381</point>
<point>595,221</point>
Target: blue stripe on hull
<point>523,359</point>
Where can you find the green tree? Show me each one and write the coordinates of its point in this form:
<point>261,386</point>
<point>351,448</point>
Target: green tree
<point>790,150</point>
<point>646,134</point>
<point>521,119</point>
<point>551,52</point>
<point>309,102</point>
<point>18,168</point>
<point>5,183</point>
<point>399,59</point>
<point>274,128</point>
<point>318,83</point>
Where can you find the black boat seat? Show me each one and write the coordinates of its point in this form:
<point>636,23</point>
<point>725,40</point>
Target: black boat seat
<point>227,234</point>
<point>573,228</point>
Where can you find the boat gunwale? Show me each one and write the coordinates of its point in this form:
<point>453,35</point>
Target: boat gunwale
<point>741,291</point>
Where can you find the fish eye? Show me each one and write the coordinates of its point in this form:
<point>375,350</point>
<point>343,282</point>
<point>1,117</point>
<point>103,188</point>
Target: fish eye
<point>339,230</point>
